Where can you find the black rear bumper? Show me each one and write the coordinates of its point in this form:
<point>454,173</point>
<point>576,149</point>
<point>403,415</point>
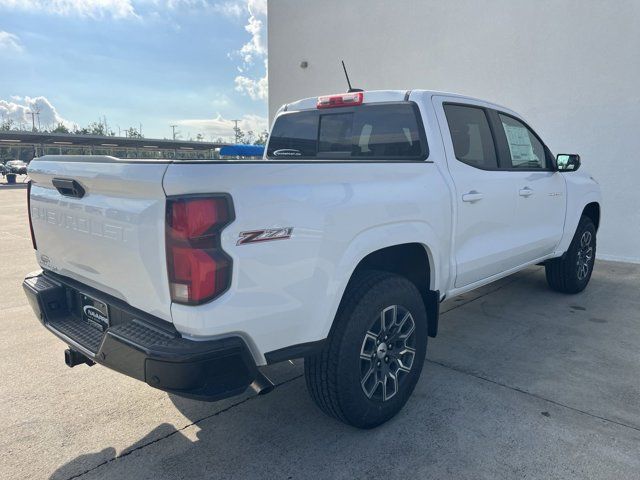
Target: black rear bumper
<point>140,345</point>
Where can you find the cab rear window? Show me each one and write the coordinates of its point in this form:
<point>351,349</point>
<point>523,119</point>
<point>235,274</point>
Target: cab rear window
<point>389,131</point>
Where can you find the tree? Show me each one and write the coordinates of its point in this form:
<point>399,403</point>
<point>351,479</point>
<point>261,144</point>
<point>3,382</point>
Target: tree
<point>132,132</point>
<point>6,125</point>
<point>239,134</point>
<point>96,128</point>
<point>60,128</point>
<point>262,138</point>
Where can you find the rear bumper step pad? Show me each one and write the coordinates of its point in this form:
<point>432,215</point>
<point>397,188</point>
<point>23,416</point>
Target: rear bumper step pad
<point>141,346</point>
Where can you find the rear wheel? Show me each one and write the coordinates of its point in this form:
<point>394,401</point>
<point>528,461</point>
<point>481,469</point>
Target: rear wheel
<point>572,272</point>
<point>374,355</point>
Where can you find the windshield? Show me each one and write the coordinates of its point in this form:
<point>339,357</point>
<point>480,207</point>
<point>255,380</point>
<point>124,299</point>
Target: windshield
<point>384,131</point>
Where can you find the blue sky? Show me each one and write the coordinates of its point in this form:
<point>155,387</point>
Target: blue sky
<point>195,63</point>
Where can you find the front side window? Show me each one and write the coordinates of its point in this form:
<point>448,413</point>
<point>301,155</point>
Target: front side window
<point>525,150</point>
<point>471,136</point>
<point>390,131</point>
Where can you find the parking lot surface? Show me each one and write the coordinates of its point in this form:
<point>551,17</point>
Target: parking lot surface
<point>521,382</point>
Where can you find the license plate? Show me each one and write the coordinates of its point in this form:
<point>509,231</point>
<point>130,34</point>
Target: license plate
<point>95,312</point>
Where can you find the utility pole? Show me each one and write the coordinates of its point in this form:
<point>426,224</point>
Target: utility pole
<point>140,130</point>
<point>34,112</point>
<point>235,129</point>
<point>173,129</point>
<point>33,119</point>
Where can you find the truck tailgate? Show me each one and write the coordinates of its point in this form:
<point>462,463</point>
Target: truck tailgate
<point>112,238</point>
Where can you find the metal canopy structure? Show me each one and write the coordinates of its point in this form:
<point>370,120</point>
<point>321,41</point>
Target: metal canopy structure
<point>66,139</point>
<point>43,143</point>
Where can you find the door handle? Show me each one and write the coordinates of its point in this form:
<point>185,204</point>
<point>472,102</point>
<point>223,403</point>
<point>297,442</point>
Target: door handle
<point>68,187</point>
<point>472,196</point>
<point>525,192</point>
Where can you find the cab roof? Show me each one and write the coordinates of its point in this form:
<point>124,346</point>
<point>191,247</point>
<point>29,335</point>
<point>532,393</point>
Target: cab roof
<point>373,96</point>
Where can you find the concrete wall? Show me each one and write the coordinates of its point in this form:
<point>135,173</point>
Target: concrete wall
<point>570,67</point>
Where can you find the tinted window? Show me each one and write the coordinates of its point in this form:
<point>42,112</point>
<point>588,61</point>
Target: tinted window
<point>525,150</point>
<point>376,131</point>
<point>388,131</point>
<point>471,136</point>
<point>335,133</point>
<point>294,135</point>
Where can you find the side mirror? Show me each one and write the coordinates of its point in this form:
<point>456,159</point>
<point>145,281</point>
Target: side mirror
<point>568,162</point>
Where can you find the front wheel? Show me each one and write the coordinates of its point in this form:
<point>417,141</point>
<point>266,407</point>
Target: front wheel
<point>572,272</point>
<point>373,358</point>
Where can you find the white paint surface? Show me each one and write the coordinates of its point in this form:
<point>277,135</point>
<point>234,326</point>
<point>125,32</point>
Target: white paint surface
<point>571,68</point>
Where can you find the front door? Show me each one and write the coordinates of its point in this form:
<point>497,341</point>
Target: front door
<point>541,200</point>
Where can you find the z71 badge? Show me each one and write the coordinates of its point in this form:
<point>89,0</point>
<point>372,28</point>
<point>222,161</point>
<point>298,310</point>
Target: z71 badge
<point>255,236</point>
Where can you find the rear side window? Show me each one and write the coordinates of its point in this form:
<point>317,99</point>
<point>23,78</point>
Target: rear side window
<point>390,131</point>
<point>471,136</point>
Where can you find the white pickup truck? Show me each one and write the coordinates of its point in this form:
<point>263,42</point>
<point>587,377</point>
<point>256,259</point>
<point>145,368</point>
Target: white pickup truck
<point>367,210</point>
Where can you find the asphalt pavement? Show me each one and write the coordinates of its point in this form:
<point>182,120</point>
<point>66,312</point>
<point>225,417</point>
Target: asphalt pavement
<point>521,382</point>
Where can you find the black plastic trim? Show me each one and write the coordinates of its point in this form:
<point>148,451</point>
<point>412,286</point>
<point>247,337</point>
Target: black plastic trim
<point>300,350</point>
<point>142,346</point>
<point>68,187</point>
<point>432,301</point>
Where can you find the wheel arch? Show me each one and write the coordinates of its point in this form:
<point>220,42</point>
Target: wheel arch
<point>411,260</point>
<point>588,204</point>
<point>592,210</point>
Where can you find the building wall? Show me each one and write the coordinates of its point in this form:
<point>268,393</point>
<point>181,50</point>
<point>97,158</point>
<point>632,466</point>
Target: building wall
<point>570,67</point>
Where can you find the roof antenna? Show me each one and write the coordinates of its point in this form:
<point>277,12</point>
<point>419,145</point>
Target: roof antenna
<point>349,82</point>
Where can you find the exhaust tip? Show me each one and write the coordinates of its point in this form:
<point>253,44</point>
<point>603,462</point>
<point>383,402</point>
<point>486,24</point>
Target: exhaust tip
<point>262,385</point>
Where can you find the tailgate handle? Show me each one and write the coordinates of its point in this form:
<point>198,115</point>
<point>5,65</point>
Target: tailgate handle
<point>68,187</point>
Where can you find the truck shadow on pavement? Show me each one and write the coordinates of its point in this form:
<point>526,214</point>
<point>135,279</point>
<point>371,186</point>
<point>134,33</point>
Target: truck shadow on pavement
<point>504,385</point>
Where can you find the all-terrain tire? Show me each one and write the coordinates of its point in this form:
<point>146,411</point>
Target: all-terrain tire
<point>571,273</point>
<point>347,370</point>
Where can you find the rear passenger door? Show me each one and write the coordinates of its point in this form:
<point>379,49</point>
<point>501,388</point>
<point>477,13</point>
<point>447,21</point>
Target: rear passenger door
<point>485,196</point>
<point>541,200</point>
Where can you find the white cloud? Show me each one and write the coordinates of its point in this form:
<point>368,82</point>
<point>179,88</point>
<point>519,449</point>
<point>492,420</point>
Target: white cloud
<point>10,42</point>
<point>19,108</point>
<point>83,8</point>
<point>223,127</point>
<point>255,46</point>
<point>230,9</point>
<point>227,8</point>
<point>254,49</point>
<point>257,89</point>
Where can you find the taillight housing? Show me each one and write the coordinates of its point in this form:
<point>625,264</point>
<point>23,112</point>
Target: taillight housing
<point>341,100</point>
<point>33,237</point>
<point>199,270</point>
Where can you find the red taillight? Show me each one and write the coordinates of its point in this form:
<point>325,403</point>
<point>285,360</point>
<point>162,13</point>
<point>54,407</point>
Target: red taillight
<point>33,237</point>
<point>198,268</point>
<point>341,100</point>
